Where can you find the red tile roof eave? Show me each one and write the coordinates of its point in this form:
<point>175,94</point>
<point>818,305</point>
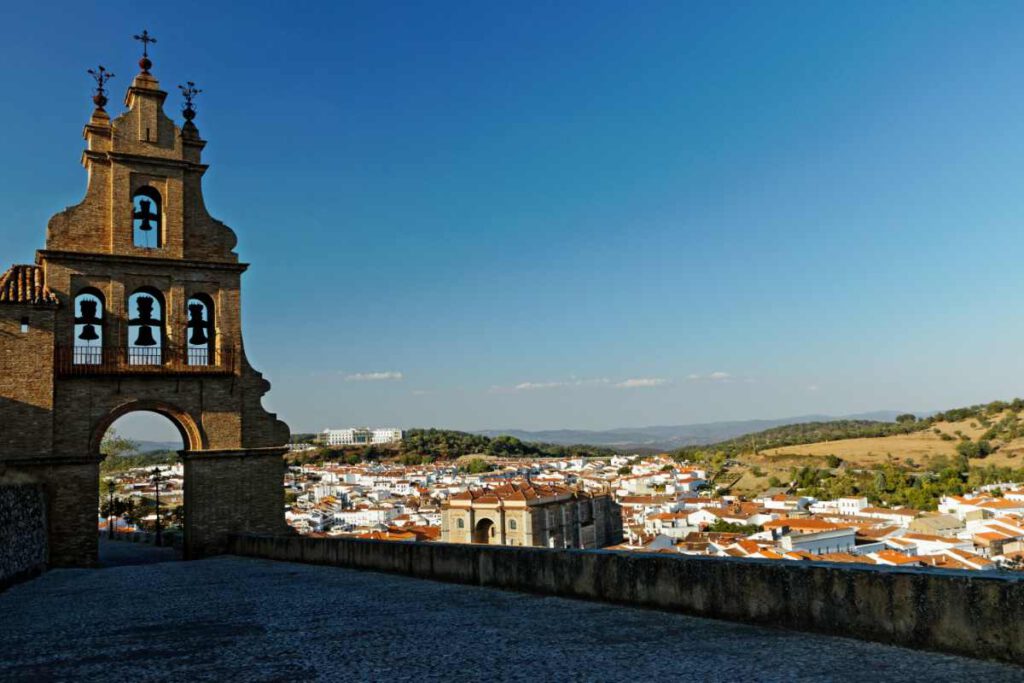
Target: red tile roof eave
<point>25,284</point>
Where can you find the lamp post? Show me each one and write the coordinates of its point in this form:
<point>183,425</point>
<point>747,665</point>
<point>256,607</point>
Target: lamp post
<point>155,475</point>
<point>111,486</point>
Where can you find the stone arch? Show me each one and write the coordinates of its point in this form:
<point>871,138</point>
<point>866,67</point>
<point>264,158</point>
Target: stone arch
<point>484,531</point>
<point>190,429</point>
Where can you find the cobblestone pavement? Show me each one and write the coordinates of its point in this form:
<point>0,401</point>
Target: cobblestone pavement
<point>231,618</point>
<point>119,553</point>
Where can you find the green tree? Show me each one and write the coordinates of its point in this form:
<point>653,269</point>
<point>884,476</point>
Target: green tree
<point>116,446</point>
<point>721,526</point>
<point>718,460</point>
<point>476,466</point>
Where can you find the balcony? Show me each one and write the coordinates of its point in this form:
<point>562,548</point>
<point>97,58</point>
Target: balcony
<point>88,361</point>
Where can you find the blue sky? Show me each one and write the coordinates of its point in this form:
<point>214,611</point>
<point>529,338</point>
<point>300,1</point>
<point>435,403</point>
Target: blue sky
<point>584,215</point>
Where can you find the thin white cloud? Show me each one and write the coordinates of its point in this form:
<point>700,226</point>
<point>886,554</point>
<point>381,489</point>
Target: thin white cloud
<point>571,382</point>
<point>389,376</point>
<point>531,386</point>
<point>551,384</point>
<point>717,376</point>
<point>641,383</point>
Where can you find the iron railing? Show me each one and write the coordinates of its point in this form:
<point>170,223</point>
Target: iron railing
<point>143,360</point>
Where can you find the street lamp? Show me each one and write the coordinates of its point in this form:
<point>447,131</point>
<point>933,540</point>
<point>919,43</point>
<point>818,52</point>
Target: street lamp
<point>155,476</point>
<point>111,487</point>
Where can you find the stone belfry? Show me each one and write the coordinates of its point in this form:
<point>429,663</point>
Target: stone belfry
<point>134,305</point>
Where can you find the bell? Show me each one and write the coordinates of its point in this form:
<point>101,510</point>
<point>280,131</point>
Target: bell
<point>145,215</point>
<point>145,308</point>
<point>88,334</point>
<point>145,337</point>
<point>198,337</point>
<point>88,310</point>
<point>197,325</point>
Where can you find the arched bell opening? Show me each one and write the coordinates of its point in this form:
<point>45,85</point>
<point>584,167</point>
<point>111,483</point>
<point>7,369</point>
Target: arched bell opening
<point>88,328</point>
<point>146,327</point>
<point>200,334</point>
<point>147,218</point>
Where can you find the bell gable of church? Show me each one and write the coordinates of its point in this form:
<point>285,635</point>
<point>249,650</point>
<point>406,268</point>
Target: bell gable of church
<point>144,196</point>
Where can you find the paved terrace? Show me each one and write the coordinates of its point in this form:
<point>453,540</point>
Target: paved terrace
<point>231,618</point>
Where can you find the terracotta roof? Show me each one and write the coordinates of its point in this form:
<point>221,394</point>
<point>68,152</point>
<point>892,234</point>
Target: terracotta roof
<point>803,524</point>
<point>847,557</point>
<point>1002,504</point>
<point>25,285</point>
<point>896,558</point>
<point>516,491</point>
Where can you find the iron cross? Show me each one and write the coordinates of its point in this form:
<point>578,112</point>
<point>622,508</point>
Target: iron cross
<point>145,39</point>
<point>101,76</point>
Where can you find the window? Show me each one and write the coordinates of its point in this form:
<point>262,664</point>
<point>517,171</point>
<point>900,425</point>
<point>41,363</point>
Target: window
<point>145,327</point>
<point>461,523</point>
<point>88,341</point>
<point>512,524</point>
<point>200,334</point>
<point>147,218</point>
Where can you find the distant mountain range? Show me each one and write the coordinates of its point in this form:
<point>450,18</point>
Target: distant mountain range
<point>149,446</point>
<point>677,436</point>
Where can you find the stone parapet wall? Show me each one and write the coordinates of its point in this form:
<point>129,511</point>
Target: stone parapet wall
<point>23,546</point>
<point>231,491</point>
<point>967,613</point>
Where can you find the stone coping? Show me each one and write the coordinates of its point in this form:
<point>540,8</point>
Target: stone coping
<point>976,614</point>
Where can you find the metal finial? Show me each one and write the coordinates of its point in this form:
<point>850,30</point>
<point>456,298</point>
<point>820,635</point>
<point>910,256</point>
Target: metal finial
<point>145,39</point>
<point>189,92</point>
<point>101,76</point>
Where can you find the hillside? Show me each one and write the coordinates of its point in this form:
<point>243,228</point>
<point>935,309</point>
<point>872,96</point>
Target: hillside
<point>427,445</point>
<point>986,437</point>
<point>997,434</point>
<point>670,437</point>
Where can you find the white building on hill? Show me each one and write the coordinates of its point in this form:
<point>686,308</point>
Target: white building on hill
<point>360,436</point>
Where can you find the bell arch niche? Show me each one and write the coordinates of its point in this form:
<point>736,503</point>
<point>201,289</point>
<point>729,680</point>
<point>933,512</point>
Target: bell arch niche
<point>200,335</point>
<point>146,327</point>
<point>147,218</point>
<point>88,332</point>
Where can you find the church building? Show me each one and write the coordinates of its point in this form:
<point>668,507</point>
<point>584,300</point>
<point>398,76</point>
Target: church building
<point>525,514</point>
<point>134,305</point>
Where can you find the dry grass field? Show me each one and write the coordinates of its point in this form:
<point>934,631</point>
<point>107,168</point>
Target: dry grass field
<point>919,447</point>
<point>913,451</point>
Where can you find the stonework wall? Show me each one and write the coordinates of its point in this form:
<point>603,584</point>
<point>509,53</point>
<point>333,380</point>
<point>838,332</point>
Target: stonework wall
<point>23,547</point>
<point>976,614</point>
<point>230,492</point>
<point>26,389</point>
<point>72,498</point>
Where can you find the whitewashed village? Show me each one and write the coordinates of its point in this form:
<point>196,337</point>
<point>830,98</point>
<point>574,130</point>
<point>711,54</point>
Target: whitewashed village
<point>659,504</point>
<point>668,507</point>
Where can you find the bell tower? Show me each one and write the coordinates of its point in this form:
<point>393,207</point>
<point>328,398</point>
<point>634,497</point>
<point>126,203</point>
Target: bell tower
<point>134,304</point>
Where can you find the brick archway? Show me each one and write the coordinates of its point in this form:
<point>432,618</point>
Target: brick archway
<point>191,433</point>
<point>58,396</point>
